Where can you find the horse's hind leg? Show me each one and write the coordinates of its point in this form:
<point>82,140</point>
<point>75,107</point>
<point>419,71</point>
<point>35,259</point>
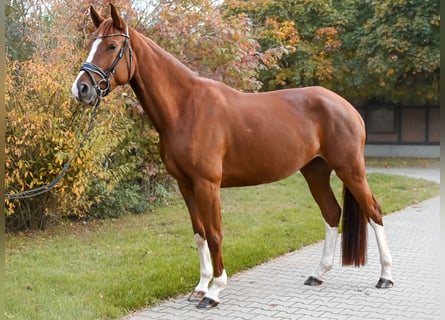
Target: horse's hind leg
<point>354,179</point>
<point>386,280</point>
<point>317,174</point>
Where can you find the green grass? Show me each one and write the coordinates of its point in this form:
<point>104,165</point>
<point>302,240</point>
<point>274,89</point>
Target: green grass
<point>105,269</point>
<point>402,162</point>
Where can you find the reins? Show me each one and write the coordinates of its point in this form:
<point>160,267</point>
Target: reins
<point>103,88</point>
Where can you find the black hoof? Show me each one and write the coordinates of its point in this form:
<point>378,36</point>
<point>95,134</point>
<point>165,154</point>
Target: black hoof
<point>207,303</point>
<point>196,296</point>
<point>312,281</point>
<point>384,284</point>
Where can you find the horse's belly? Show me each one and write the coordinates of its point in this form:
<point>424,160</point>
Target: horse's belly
<point>263,163</point>
<point>242,180</point>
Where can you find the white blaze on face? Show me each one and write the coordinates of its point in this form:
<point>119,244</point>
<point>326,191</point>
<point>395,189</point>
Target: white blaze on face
<point>90,58</point>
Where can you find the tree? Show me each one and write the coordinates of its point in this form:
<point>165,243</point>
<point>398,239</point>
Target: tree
<point>303,35</point>
<point>351,78</point>
<point>400,46</point>
<point>19,29</point>
<point>199,36</point>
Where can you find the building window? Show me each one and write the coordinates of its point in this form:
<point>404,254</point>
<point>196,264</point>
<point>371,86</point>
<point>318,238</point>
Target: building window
<point>402,125</point>
<point>413,125</point>
<point>381,120</point>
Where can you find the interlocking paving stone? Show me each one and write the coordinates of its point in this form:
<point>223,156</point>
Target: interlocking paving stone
<point>275,289</point>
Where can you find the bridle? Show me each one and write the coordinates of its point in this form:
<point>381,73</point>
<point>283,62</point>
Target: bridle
<point>103,86</point>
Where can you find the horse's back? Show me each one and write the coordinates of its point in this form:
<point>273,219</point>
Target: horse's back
<point>308,106</point>
<point>254,138</point>
<point>272,135</point>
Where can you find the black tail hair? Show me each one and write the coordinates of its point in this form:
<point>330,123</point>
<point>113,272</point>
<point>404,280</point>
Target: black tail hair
<point>354,238</point>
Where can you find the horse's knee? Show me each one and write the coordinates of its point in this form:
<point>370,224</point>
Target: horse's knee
<point>214,241</point>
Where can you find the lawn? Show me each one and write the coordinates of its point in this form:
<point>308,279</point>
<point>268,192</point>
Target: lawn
<point>105,269</point>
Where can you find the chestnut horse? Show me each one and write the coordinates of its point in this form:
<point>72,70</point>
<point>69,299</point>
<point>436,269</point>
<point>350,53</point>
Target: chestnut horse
<point>212,136</point>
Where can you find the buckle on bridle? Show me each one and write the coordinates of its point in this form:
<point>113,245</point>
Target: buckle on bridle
<point>103,86</point>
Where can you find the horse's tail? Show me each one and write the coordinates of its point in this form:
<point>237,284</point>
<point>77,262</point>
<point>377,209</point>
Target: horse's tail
<point>354,239</point>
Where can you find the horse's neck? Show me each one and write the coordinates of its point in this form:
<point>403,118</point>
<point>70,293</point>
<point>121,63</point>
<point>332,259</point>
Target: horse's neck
<point>161,83</point>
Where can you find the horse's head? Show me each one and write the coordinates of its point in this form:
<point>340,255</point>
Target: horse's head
<point>109,62</point>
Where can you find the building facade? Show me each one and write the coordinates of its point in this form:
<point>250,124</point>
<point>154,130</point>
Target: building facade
<point>395,131</point>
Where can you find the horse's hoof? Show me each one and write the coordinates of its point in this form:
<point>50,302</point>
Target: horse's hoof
<point>384,284</point>
<point>196,296</point>
<point>207,303</point>
<point>312,281</point>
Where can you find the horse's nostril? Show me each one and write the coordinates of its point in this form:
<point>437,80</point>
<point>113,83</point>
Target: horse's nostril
<point>84,89</point>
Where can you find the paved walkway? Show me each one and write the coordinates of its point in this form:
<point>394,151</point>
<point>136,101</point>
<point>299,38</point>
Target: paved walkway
<point>275,289</point>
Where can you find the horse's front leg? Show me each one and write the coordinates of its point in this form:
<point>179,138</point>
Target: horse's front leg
<point>205,270</point>
<point>209,206</point>
<point>204,204</point>
<point>205,263</point>
<point>202,295</point>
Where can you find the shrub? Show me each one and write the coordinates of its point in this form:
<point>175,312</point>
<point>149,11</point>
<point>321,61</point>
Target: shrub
<point>39,134</point>
<point>124,198</point>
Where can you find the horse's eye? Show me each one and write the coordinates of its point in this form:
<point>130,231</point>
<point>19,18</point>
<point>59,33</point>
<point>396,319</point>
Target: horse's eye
<point>112,47</point>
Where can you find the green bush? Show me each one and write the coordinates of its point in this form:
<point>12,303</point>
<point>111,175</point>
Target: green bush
<point>125,198</point>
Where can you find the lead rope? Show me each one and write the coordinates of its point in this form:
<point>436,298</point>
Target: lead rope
<point>81,138</point>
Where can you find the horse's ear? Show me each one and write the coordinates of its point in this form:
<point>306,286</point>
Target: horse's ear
<point>118,22</point>
<point>96,17</point>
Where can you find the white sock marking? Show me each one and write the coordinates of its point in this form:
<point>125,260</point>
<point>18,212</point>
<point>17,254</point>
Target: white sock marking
<point>205,264</point>
<point>218,285</point>
<point>327,258</point>
<point>385,255</point>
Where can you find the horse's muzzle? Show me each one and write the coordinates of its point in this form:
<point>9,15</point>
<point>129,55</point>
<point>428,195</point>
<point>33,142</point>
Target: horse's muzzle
<point>84,92</point>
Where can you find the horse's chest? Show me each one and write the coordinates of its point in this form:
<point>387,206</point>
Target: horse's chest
<point>189,159</point>
<point>176,158</point>
<point>169,161</point>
